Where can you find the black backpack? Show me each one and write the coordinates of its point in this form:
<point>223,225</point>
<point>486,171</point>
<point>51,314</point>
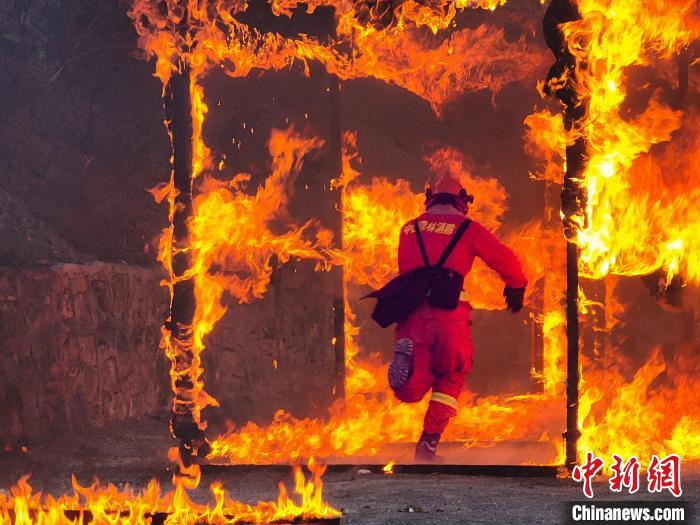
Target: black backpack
<point>440,287</point>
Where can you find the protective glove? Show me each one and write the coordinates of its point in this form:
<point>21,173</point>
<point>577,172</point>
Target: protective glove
<point>514,298</point>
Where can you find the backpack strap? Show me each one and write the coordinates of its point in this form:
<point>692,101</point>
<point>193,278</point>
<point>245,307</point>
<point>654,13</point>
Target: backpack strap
<point>448,249</point>
<point>453,242</point>
<point>426,261</point>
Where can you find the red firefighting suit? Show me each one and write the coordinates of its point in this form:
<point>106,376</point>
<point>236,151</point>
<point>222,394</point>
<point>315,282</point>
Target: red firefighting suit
<point>441,339</point>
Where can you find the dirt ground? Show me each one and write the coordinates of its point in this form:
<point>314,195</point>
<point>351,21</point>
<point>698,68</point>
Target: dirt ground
<point>135,452</point>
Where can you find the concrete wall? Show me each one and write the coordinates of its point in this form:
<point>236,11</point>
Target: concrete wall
<point>80,347</point>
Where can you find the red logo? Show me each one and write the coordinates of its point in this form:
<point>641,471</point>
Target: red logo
<point>662,474</point>
<point>665,474</point>
<point>586,472</point>
<point>625,474</point>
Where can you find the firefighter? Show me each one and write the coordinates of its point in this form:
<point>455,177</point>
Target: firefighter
<point>433,347</point>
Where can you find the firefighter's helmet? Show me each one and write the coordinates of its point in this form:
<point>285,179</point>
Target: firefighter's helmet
<point>448,190</point>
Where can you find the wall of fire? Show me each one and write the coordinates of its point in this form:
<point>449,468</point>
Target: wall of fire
<point>81,138</point>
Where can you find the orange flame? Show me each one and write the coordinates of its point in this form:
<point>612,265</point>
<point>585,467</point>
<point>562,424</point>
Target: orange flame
<point>631,230</point>
<point>194,37</point>
<point>370,416</point>
<point>109,505</point>
<point>641,214</point>
<point>654,413</point>
<point>399,53</point>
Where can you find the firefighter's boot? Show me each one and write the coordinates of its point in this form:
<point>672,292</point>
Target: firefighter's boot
<point>426,448</point>
<point>400,367</point>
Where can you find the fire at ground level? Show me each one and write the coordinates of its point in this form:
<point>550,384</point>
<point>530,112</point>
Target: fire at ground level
<point>135,452</point>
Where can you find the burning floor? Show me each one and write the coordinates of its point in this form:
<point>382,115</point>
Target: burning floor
<point>124,482</point>
<point>131,454</point>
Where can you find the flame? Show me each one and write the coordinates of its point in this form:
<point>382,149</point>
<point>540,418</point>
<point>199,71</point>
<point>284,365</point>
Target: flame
<point>109,505</point>
<point>374,213</point>
<point>641,214</point>
<point>231,244</point>
<point>402,50</point>
<point>467,60</point>
<point>653,413</point>
<point>391,46</point>
<point>546,145</point>
<point>370,416</point>
<point>193,37</point>
<point>633,199</point>
<point>231,233</point>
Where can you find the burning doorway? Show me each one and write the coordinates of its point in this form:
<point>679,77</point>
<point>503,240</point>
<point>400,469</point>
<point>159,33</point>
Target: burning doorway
<point>205,268</point>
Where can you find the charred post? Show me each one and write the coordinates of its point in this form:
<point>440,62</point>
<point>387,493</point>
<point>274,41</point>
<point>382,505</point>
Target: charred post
<point>177,104</point>
<point>335,143</point>
<point>561,82</point>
